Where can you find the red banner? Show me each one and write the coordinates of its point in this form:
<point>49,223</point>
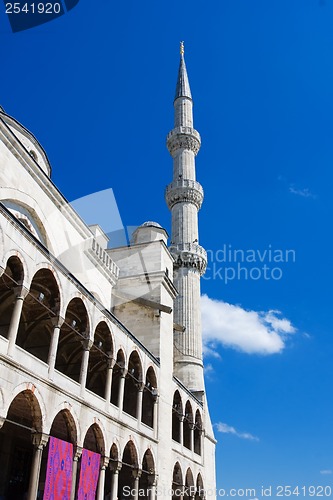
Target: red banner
<point>58,482</point>
<point>89,472</point>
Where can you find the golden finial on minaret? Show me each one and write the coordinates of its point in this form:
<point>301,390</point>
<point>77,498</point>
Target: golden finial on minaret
<point>181,48</point>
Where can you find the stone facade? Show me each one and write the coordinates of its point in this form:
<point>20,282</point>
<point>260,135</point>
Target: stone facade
<point>87,337</point>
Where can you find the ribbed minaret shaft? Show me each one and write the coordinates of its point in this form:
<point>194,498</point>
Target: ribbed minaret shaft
<point>184,197</point>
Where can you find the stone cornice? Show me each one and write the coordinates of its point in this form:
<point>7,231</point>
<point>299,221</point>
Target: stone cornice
<point>189,255</point>
<point>183,138</point>
<point>184,190</point>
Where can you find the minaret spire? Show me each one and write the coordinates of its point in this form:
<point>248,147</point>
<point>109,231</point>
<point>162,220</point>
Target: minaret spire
<point>183,85</point>
<point>184,197</point>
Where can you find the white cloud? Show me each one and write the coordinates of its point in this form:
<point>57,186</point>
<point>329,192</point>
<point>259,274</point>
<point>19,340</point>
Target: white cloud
<point>326,471</point>
<point>305,192</point>
<point>228,429</point>
<point>248,331</point>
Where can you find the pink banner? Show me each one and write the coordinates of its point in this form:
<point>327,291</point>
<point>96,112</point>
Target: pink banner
<point>89,472</point>
<point>58,482</point>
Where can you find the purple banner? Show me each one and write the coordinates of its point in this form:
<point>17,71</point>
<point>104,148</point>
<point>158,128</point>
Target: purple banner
<point>58,481</point>
<point>89,472</point>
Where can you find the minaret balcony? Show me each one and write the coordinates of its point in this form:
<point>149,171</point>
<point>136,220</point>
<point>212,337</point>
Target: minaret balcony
<point>189,255</point>
<point>184,191</point>
<point>183,138</point>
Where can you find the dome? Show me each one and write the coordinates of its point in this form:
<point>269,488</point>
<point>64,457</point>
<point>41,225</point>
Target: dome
<point>150,223</point>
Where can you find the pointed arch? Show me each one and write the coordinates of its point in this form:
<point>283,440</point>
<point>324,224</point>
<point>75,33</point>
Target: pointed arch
<point>177,415</point>
<point>148,474</point>
<point>177,483</point>
<point>188,425</point>
<point>100,355</point>
<point>149,398</point>
<point>132,382</point>
<point>94,440</point>
<point>190,489</point>
<point>117,373</point>
<point>10,281</point>
<point>74,331</point>
<point>64,427</point>
<point>40,308</point>
<point>197,432</point>
<point>23,421</point>
<point>130,465</point>
<point>200,491</point>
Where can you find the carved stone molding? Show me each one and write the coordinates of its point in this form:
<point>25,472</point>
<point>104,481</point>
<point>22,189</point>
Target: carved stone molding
<point>183,138</point>
<point>184,190</point>
<point>189,255</point>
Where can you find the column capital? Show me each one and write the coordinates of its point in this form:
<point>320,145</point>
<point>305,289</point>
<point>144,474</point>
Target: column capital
<point>2,421</point>
<point>104,462</point>
<point>77,453</point>
<point>137,473</point>
<point>123,372</point>
<point>115,466</point>
<point>110,361</point>
<point>2,270</point>
<point>20,292</point>
<point>140,386</point>
<point>40,440</point>
<point>57,321</point>
<point>87,344</point>
<point>152,479</point>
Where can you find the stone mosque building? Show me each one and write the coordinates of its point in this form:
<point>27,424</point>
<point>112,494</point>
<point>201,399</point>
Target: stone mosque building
<point>101,373</point>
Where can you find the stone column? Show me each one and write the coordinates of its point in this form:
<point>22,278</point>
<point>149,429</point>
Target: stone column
<point>101,480</point>
<point>87,344</point>
<point>140,387</point>
<point>57,323</point>
<point>20,295</point>
<point>155,415</point>
<point>136,475</point>
<point>115,477</point>
<point>152,480</point>
<point>39,441</point>
<point>107,395</point>
<point>192,436</point>
<point>121,389</point>
<point>77,455</point>
<point>181,434</point>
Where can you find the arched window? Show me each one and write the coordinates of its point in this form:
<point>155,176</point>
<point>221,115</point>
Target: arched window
<point>113,468</point>
<point>63,428</point>
<point>177,415</point>
<point>132,384</point>
<point>190,489</point>
<point>197,433</point>
<point>40,308</point>
<point>149,398</point>
<point>127,471</point>
<point>147,476</point>
<point>117,373</point>
<point>177,483</point>
<point>188,426</point>
<point>72,335</point>
<point>9,281</point>
<point>200,492</point>
<point>24,419</point>
<point>99,357</point>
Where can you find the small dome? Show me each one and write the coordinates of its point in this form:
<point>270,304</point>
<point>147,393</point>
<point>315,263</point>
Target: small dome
<point>150,223</point>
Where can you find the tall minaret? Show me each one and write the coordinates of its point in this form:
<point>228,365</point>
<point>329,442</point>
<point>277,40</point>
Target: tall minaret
<point>184,198</point>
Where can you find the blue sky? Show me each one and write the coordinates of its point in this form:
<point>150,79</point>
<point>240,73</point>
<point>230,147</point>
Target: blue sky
<point>96,87</point>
